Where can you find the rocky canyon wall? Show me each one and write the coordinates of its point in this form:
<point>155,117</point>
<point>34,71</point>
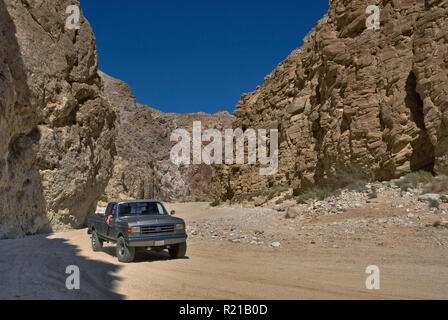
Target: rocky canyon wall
<point>352,101</point>
<point>56,127</point>
<point>143,168</point>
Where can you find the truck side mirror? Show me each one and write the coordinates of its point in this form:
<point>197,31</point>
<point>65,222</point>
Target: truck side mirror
<point>172,212</point>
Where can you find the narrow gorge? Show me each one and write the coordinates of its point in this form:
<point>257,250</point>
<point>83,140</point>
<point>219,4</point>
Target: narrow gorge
<point>350,103</point>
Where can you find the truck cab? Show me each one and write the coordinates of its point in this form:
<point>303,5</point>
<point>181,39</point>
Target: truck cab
<point>138,224</point>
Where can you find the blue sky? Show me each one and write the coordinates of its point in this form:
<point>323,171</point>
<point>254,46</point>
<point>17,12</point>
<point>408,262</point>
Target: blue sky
<point>195,55</point>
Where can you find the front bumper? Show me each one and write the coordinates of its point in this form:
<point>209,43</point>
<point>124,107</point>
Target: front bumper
<point>149,241</point>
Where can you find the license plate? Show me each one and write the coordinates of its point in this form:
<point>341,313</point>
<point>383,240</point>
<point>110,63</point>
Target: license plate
<point>159,243</point>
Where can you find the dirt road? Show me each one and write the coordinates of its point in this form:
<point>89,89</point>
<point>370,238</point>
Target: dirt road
<point>216,268</point>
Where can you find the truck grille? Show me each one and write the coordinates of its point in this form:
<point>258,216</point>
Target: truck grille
<point>157,229</point>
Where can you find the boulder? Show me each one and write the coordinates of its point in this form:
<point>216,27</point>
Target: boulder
<point>292,212</point>
<point>429,197</point>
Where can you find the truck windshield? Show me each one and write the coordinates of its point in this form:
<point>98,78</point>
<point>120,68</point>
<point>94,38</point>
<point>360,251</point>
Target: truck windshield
<point>141,208</point>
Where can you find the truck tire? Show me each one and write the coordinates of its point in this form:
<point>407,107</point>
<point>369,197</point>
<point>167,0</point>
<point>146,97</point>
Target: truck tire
<point>124,253</point>
<point>178,250</point>
<point>97,243</point>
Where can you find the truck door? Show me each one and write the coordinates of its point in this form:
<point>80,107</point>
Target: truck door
<point>103,227</point>
<point>112,220</point>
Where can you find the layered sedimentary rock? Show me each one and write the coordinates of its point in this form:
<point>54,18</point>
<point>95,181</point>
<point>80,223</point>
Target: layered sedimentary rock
<point>353,102</point>
<point>56,128</point>
<point>143,168</point>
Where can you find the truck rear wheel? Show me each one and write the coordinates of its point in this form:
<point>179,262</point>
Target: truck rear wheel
<point>124,253</point>
<point>178,250</point>
<point>97,243</point>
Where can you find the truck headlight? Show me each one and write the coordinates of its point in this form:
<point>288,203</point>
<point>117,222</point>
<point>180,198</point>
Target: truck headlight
<point>180,226</point>
<point>133,230</point>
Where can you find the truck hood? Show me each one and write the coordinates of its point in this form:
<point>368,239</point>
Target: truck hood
<point>151,220</point>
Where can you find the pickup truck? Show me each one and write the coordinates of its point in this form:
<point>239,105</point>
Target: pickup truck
<point>138,224</point>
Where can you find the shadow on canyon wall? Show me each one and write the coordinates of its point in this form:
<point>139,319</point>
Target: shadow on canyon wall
<point>22,201</point>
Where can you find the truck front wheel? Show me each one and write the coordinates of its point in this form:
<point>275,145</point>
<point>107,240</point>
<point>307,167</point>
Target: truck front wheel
<point>124,253</point>
<point>97,243</point>
<point>178,250</point>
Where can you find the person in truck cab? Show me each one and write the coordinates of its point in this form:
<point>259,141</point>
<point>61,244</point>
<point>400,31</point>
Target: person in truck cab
<point>112,214</point>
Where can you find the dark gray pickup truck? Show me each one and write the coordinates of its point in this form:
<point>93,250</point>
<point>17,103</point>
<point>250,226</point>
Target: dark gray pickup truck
<point>138,224</point>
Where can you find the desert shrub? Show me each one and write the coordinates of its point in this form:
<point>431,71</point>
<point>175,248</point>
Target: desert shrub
<point>318,193</point>
<point>327,192</point>
<point>413,179</point>
<point>373,193</point>
<point>280,188</point>
<point>443,169</point>
<point>425,177</point>
<point>104,198</point>
<point>310,194</point>
<point>268,193</point>
<point>358,186</point>
<point>215,203</point>
<point>404,186</point>
<point>305,196</point>
<point>434,204</point>
<point>437,185</point>
<point>249,196</point>
<point>288,197</point>
<point>353,178</point>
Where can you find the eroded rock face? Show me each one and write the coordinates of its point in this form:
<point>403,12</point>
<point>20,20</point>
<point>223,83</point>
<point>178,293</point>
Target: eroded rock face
<point>352,101</point>
<point>56,128</point>
<point>143,169</point>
